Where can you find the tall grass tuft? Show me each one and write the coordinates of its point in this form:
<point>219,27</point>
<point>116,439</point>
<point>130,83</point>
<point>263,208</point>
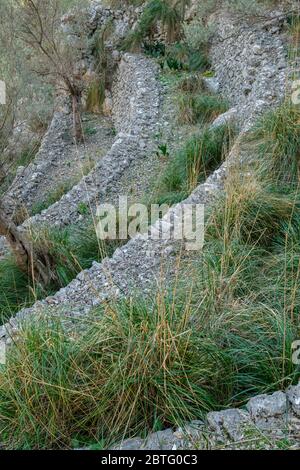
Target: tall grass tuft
<point>70,250</point>
<point>201,155</point>
<point>200,108</point>
<point>16,290</point>
<point>278,142</point>
<point>133,367</point>
<point>73,249</point>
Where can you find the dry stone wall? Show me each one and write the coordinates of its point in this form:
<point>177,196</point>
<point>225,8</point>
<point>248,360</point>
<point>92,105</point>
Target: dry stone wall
<point>250,60</point>
<point>137,100</point>
<point>137,265</point>
<point>266,422</point>
<point>251,71</point>
<point>56,143</point>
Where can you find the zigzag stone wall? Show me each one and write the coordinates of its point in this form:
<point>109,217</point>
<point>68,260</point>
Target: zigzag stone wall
<point>136,102</point>
<point>137,265</point>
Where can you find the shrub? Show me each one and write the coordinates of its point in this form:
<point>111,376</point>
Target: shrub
<point>154,49</point>
<point>198,34</point>
<point>168,13</point>
<point>179,56</point>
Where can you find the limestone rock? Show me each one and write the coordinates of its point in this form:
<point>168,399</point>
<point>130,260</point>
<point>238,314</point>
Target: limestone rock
<point>269,412</point>
<point>229,423</point>
<point>293,394</point>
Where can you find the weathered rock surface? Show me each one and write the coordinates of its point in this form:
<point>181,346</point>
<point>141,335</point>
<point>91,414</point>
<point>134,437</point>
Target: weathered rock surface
<point>250,60</point>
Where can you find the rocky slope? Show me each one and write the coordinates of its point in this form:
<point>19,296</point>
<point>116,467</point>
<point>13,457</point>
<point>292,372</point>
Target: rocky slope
<point>136,110</point>
<point>252,72</point>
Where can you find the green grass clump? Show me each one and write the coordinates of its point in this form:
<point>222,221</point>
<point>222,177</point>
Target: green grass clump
<point>69,250</point>
<point>166,12</point>
<point>201,155</point>
<point>255,213</point>
<point>16,290</point>
<point>135,365</point>
<point>200,108</point>
<point>180,56</point>
<point>278,141</point>
<point>72,249</point>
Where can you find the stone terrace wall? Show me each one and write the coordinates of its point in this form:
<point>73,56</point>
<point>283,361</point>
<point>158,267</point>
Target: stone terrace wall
<point>56,144</point>
<point>136,99</point>
<point>250,62</point>
<point>137,265</point>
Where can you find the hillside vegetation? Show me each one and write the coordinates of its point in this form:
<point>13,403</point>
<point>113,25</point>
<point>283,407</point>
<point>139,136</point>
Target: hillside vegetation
<point>218,332</point>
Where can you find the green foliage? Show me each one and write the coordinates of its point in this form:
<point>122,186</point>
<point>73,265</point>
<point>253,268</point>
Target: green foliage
<point>163,151</point>
<point>83,208</point>
<point>168,13</point>
<point>198,35</point>
<point>203,107</point>
<point>256,213</point>
<point>73,249</point>
<point>154,49</point>
<point>179,56</point>
<point>278,143</point>
<point>192,164</point>
<point>16,290</point>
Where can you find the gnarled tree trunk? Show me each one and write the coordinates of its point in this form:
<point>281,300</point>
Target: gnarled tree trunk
<point>77,125</point>
<point>35,265</point>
